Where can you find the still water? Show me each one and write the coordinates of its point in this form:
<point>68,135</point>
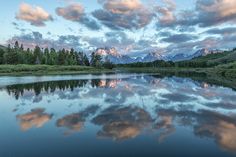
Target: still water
<point>115,115</point>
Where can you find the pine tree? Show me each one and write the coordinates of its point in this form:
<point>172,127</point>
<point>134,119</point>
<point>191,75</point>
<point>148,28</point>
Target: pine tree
<point>47,56</point>
<point>61,57</point>
<point>96,60</point>
<point>2,52</point>
<point>53,57</point>
<point>37,55</point>
<point>73,57</point>
<point>108,64</point>
<point>80,58</point>
<point>86,60</point>
<point>11,56</point>
<point>16,46</point>
<point>29,56</point>
<point>21,55</point>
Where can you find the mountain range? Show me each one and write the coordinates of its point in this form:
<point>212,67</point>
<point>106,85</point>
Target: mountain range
<point>115,57</point>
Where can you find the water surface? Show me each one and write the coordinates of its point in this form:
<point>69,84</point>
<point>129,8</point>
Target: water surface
<point>115,115</point>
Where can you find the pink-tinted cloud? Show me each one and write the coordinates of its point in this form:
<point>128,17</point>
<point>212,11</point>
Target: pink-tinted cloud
<point>124,14</point>
<point>35,15</point>
<point>166,14</point>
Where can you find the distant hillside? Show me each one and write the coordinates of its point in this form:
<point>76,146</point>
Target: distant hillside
<point>215,59</point>
<point>204,61</point>
<point>198,53</point>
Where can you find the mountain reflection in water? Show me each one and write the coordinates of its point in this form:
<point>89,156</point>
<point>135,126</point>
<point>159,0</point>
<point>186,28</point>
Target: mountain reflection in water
<point>124,109</point>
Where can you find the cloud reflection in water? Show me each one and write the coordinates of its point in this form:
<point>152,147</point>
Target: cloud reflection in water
<point>127,107</point>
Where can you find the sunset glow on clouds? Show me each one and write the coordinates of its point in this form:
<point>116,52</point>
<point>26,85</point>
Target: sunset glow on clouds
<point>131,26</point>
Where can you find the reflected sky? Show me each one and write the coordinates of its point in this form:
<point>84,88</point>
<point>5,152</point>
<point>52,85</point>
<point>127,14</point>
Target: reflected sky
<point>120,112</point>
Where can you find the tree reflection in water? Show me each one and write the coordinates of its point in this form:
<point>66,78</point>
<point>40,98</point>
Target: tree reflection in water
<point>126,108</point>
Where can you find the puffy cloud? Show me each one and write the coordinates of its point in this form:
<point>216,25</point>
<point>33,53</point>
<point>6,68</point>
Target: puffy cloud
<point>75,12</point>
<point>37,118</point>
<point>220,127</point>
<point>167,15</point>
<point>36,16</point>
<point>75,122</point>
<point>205,123</point>
<point>122,6</point>
<point>216,11</point>
<point>124,14</point>
<point>166,124</point>
<point>224,132</point>
<point>207,13</point>
<point>121,123</point>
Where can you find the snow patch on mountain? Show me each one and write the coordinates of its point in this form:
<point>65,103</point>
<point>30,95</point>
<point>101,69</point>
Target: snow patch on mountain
<point>115,57</point>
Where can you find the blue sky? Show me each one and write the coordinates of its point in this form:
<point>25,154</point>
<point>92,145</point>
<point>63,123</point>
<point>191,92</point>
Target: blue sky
<point>133,27</point>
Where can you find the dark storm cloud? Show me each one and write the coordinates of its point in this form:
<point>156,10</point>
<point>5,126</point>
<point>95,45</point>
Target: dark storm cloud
<point>126,14</point>
<point>75,12</point>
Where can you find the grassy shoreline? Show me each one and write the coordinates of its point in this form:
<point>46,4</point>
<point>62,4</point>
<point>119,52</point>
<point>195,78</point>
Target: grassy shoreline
<point>218,76</point>
<point>214,76</point>
<point>215,71</point>
<point>21,69</point>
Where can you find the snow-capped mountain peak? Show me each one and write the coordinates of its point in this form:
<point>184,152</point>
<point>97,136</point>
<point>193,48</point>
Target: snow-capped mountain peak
<point>152,56</point>
<point>107,51</point>
<point>115,57</point>
<point>204,52</point>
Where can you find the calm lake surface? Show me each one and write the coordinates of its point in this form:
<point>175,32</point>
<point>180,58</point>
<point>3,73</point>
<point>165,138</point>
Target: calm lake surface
<point>115,115</point>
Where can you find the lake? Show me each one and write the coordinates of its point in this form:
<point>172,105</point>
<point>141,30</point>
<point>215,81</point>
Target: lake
<point>115,115</point>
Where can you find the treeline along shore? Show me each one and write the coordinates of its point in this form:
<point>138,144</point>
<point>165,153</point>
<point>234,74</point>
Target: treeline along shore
<point>18,60</point>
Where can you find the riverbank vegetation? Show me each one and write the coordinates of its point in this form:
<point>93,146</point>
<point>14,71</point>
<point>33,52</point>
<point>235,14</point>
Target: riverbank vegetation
<point>18,55</point>
<point>23,69</point>
<point>220,64</point>
<point>17,60</point>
